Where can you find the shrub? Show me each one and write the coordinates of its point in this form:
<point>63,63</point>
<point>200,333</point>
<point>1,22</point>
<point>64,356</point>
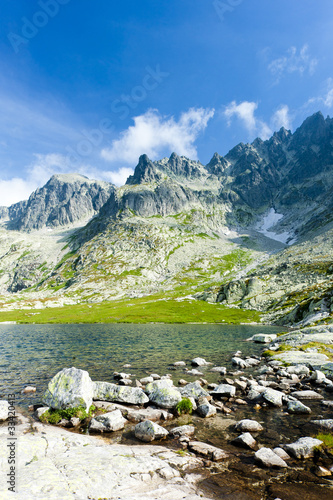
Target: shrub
<point>184,406</point>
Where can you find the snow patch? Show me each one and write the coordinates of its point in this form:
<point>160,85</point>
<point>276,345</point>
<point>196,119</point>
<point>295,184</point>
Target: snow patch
<point>269,221</point>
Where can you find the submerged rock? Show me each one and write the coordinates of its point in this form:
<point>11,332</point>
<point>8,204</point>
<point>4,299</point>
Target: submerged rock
<point>69,388</point>
<point>324,424</point>
<point>307,395</point>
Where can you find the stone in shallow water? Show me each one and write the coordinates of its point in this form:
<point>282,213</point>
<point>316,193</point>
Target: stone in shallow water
<point>163,393</point>
<point>246,440</point>
<point>248,425</point>
<point>69,388</point>
<point>324,424</point>
<point>183,430</point>
<point>208,450</point>
<point>199,362</point>
<point>105,391</point>
<point>273,397</point>
<point>268,458</point>
<point>108,422</point>
<point>224,390</point>
<point>219,369</point>
<point>193,390</point>
<point>206,410</point>
<point>298,407</point>
<point>149,431</point>
<point>262,338</point>
<point>303,447</point>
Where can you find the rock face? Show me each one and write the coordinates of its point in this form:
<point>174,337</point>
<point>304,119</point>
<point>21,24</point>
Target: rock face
<point>69,388</point>
<point>105,391</point>
<point>66,198</point>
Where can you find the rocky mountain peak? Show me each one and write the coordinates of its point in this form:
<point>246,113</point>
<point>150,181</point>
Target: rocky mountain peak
<point>144,172</point>
<point>217,165</point>
<point>180,166</point>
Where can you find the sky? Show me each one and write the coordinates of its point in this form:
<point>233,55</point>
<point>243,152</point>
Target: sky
<point>88,86</point>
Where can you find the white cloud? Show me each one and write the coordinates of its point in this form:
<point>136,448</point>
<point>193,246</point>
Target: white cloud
<point>281,118</point>
<point>152,134</point>
<point>326,98</point>
<point>245,111</point>
<point>293,62</point>
<point>14,190</point>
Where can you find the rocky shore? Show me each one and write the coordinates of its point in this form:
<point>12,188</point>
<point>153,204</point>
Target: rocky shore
<point>262,430</point>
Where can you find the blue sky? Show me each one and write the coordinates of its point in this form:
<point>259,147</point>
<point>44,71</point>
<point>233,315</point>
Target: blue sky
<point>88,86</point>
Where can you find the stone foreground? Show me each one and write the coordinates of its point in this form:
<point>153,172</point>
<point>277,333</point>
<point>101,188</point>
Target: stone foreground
<point>54,464</point>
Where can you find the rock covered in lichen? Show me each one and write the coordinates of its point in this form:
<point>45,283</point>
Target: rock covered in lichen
<point>69,388</point>
<point>105,391</point>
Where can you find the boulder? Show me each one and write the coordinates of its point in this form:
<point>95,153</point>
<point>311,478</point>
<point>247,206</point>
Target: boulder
<point>303,447</point>
<point>206,410</point>
<point>324,424</point>
<point>273,397</point>
<point>199,362</point>
<point>193,390</point>
<point>149,431</point>
<point>261,338</point>
<point>183,430</point>
<point>69,388</point>
<point>297,407</point>
<point>4,410</point>
<point>224,390</point>
<point>219,369</point>
<point>208,451</point>
<point>248,425</point>
<point>163,393</point>
<point>179,363</point>
<point>307,395</point>
<point>105,391</point>
<point>245,440</point>
<point>29,389</point>
<point>153,414</point>
<point>108,422</point>
<point>267,457</point>
<point>239,362</point>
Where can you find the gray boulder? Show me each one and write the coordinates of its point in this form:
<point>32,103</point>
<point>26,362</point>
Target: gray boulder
<point>193,390</point>
<point>324,424</point>
<point>163,393</point>
<point>239,362</point>
<point>261,338</point>
<point>267,457</point>
<point>149,431</point>
<point>248,425</point>
<point>199,362</point>
<point>307,395</point>
<point>206,410</point>
<point>183,430</point>
<point>245,440</point>
<point>108,422</point>
<point>273,397</point>
<point>224,390</point>
<point>69,388</point>
<point>207,450</point>
<point>219,369</point>
<point>105,391</point>
<point>303,447</point>
<point>297,407</point>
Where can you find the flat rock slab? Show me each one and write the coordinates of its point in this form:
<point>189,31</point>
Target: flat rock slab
<point>56,464</point>
<point>307,395</point>
<point>208,451</point>
<point>267,457</point>
<point>303,447</point>
<point>300,357</point>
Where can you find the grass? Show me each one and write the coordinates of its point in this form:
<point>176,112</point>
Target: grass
<point>142,310</point>
<point>54,416</point>
<point>327,439</point>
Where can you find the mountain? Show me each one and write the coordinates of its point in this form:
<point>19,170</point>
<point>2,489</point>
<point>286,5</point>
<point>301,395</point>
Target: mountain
<point>252,229</point>
<point>65,199</point>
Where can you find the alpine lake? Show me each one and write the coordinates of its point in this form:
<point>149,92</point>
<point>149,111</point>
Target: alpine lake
<point>33,354</point>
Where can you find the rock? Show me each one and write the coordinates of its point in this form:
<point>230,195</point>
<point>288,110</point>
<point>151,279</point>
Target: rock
<point>297,407</point>
<point>125,381</point>
<point>163,393</point>
<point>182,382</point>
<point>69,388</point>
<point>239,362</point>
<point>203,381</point>
<point>149,431</point>
<point>301,357</point>
<point>252,361</point>
<point>303,447</point>
<point>281,453</point>
<point>108,422</point>
<point>322,471</point>
<point>318,376</point>
<point>155,376</point>
<point>240,384</point>
<point>179,363</point>
<point>105,391</point>
<point>206,410</point>
<point>307,395</point>
<point>199,362</point>
<point>219,369</point>
<point>267,457</point>
<point>146,380</point>
<point>247,425</point>
<point>149,413</point>
<point>39,412</point>
<point>29,389</point>
<point>183,430</point>
<point>273,397</point>
<point>193,390</point>
<point>240,401</point>
<point>121,375</point>
<point>327,403</point>
<point>208,451</point>
<point>324,423</point>
<point>298,370</point>
<point>4,410</point>
<point>224,390</point>
<point>245,440</point>
<point>75,421</point>
<point>263,338</point>
<point>194,372</point>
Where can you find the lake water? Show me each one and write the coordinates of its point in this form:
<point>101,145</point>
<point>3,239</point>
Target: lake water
<point>33,354</point>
